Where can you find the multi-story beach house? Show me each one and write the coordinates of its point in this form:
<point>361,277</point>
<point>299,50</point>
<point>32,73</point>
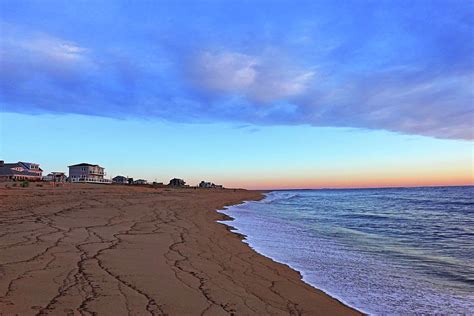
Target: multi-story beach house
<point>87,173</point>
<point>20,171</point>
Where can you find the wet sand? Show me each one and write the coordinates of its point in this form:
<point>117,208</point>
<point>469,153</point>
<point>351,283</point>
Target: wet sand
<point>116,250</point>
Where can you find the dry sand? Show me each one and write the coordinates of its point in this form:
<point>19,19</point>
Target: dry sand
<point>111,250</point>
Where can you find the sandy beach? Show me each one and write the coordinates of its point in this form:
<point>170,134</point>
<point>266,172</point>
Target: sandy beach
<point>117,250</point>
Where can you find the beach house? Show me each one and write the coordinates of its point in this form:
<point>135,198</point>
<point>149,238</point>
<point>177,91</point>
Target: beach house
<point>204,184</point>
<point>55,177</point>
<point>87,173</point>
<point>19,171</point>
<point>120,180</point>
<point>209,185</point>
<point>140,181</point>
<point>175,182</point>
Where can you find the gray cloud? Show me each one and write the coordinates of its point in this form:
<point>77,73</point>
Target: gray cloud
<point>409,100</point>
<point>403,101</point>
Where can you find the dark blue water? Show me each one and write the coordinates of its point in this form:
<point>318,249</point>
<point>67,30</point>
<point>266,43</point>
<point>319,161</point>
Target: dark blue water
<point>382,251</point>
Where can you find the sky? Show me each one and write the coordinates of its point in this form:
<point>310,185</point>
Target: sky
<point>254,94</point>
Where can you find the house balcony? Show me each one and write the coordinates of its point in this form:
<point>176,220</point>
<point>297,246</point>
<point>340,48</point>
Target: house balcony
<point>90,180</point>
<point>97,173</point>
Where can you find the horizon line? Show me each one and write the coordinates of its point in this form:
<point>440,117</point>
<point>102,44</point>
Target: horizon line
<point>368,188</point>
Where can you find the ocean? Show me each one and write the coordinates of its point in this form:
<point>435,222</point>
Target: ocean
<point>381,251</point>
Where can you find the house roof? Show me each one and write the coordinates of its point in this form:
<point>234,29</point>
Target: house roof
<point>11,165</point>
<point>84,164</point>
<point>24,164</point>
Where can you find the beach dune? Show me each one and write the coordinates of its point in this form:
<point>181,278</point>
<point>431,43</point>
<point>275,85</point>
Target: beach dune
<point>116,250</point>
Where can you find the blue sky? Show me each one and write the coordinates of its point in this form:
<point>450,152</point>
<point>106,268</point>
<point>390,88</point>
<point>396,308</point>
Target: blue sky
<point>249,82</point>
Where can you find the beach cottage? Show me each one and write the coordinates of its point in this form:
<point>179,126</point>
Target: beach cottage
<point>87,173</point>
<point>59,177</point>
<point>175,182</point>
<point>205,184</point>
<point>19,171</point>
<point>140,181</point>
<point>209,185</point>
<point>120,180</point>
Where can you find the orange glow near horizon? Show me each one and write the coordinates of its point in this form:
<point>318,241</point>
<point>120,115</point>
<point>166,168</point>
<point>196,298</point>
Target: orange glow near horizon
<point>353,184</point>
<point>459,177</point>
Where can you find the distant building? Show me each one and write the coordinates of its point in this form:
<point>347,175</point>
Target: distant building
<point>205,184</point>
<point>59,177</point>
<point>20,171</point>
<point>140,181</point>
<point>209,185</point>
<point>87,173</point>
<point>120,180</point>
<point>175,182</point>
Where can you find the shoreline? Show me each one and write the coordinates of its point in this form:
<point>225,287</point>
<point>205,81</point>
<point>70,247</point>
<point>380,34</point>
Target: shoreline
<point>122,250</point>
<point>233,230</point>
<point>243,237</point>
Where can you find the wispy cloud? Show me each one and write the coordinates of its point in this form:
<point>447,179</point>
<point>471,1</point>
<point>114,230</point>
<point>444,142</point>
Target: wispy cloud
<point>42,72</point>
<point>225,72</point>
<point>258,78</point>
<point>412,102</point>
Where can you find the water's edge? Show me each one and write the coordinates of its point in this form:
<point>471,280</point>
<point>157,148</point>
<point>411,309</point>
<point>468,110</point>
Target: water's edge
<point>242,236</point>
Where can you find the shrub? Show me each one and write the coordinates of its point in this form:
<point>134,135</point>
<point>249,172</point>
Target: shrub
<point>24,184</point>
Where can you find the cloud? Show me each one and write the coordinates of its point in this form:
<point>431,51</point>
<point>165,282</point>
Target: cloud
<point>34,66</point>
<point>54,49</point>
<point>257,78</point>
<point>45,73</point>
<point>375,65</point>
<point>225,72</point>
<point>39,51</point>
<point>406,101</point>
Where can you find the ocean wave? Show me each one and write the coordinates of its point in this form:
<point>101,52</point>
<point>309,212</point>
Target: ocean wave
<point>278,197</point>
<point>427,201</point>
<point>370,217</point>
